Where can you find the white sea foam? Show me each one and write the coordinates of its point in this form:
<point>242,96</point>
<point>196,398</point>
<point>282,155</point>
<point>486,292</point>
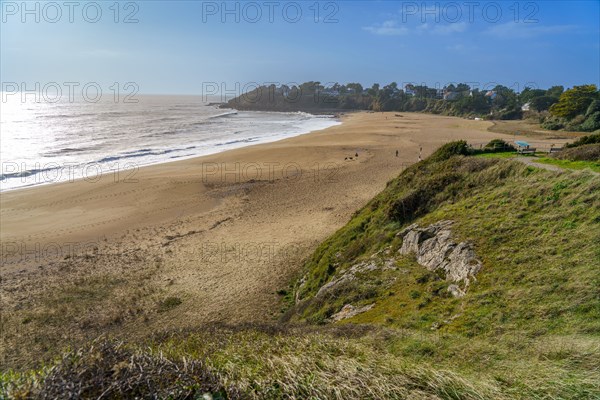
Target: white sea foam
<point>44,143</point>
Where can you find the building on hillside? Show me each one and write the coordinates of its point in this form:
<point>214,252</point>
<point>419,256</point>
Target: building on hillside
<point>491,94</point>
<point>451,95</point>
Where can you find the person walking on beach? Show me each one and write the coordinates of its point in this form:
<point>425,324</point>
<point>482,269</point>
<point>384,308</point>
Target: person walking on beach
<point>396,153</point>
<point>420,153</point>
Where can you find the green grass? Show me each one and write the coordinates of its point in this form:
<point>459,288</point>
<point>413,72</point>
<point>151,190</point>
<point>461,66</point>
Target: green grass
<point>541,158</point>
<point>530,227</point>
<point>300,362</point>
<point>568,164</point>
<point>504,154</point>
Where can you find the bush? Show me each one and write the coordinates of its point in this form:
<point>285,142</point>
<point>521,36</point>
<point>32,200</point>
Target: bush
<point>589,139</point>
<point>513,113</point>
<point>591,123</point>
<point>448,150</point>
<point>497,145</point>
<point>418,201</point>
<point>575,123</point>
<point>553,124</point>
<point>111,370</point>
<point>587,152</point>
<point>593,108</point>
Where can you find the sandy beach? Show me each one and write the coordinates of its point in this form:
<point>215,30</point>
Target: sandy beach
<point>220,234</point>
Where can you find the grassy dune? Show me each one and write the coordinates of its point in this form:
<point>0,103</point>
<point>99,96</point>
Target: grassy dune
<point>527,328</point>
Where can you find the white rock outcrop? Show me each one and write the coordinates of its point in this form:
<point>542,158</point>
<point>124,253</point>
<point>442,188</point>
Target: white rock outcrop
<point>350,311</point>
<point>436,250</point>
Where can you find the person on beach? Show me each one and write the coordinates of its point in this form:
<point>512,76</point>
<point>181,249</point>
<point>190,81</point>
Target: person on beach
<point>396,153</point>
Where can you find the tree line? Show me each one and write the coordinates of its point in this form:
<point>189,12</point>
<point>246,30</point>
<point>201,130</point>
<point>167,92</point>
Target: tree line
<point>577,108</point>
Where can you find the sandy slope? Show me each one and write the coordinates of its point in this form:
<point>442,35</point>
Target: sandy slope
<point>222,233</point>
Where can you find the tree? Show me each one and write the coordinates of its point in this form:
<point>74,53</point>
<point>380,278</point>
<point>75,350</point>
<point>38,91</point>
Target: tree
<point>310,87</point>
<point>450,88</point>
<point>574,101</point>
<point>529,94</point>
<point>374,90</point>
<point>390,97</point>
<point>555,91</point>
<point>462,87</point>
<point>476,103</point>
<point>357,87</point>
<point>542,103</point>
<point>424,92</point>
<point>593,108</point>
<point>505,98</point>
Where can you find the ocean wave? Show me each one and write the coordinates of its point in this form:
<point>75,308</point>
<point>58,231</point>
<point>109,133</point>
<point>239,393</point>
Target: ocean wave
<point>150,134</point>
<point>247,140</point>
<point>142,153</point>
<point>164,119</point>
<point>66,150</point>
<point>223,115</point>
<point>65,116</point>
<point>161,134</point>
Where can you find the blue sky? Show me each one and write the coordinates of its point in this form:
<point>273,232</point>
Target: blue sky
<point>175,47</point>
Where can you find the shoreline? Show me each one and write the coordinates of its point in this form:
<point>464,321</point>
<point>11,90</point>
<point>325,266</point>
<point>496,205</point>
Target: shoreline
<point>272,162</point>
<point>215,149</point>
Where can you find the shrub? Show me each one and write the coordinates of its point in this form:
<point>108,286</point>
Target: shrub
<point>591,123</point>
<point>498,145</point>
<point>587,152</point>
<point>575,123</point>
<point>511,113</point>
<point>418,201</point>
<point>111,370</point>
<point>589,139</point>
<point>448,150</point>
<point>593,108</point>
<point>553,124</point>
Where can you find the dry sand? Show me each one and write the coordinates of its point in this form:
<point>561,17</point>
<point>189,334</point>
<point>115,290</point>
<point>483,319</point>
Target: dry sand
<point>221,234</point>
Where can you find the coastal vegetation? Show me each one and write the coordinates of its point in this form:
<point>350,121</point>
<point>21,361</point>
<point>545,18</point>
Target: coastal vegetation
<point>527,325</point>
<point>575,109</point>
<point>584,153</point>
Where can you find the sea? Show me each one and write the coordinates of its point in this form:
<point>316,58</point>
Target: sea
<point>45,142</point>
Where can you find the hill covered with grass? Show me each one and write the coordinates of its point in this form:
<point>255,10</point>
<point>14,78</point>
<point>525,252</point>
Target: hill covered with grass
<point>368,319</point>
